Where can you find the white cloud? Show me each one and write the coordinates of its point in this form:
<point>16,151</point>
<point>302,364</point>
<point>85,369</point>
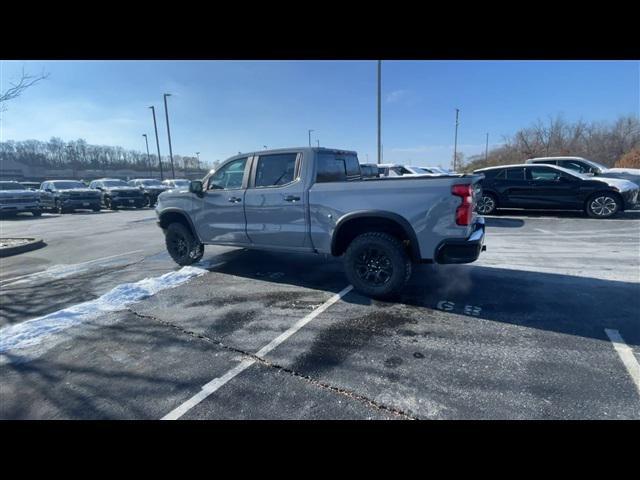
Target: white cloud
<point>397,95</point>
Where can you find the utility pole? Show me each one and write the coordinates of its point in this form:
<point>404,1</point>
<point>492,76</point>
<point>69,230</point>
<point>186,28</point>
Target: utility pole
<point>310,136</point>
<point>155,126</point>
<point>379,111</point>
<point>166,112</point>
<point>486,150</point>
<point>148,156</point>
<point>455,143</point>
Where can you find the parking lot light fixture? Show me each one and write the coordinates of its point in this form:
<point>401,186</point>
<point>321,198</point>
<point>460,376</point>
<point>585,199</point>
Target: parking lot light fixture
<point>166,112</point>
<point>146,141</point>
<point>155,127</point>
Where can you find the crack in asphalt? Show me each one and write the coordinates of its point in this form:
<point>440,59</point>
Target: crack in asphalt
<point>341,391</point>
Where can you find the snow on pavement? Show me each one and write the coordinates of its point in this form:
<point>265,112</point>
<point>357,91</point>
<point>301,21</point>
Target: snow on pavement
<point>32,333</point>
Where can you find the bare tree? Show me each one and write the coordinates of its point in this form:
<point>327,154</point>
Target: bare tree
<point>16,89</point>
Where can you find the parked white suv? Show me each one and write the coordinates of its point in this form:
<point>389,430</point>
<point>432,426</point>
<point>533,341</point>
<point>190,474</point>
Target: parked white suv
<point>589,167</point>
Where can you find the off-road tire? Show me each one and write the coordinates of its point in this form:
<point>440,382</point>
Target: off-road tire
<point>391,257</point>
<point>182,246</point>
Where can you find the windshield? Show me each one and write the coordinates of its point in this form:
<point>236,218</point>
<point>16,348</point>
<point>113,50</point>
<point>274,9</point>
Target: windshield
<point>68,185</point>
<point>149,183</point>
<point>114,183</point>
<point>10,186</point>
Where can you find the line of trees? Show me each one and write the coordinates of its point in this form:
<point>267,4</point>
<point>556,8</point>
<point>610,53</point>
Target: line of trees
<point>606,143</point>
<point>79,155</point>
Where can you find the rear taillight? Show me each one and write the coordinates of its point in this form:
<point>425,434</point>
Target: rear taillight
<point>465,211</point>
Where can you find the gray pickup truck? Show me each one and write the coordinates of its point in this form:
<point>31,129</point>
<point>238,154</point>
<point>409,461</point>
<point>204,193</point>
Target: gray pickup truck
<point>316,200</point>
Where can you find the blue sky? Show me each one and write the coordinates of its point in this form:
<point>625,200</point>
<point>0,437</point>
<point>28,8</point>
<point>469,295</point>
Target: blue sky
<point>221,107</point>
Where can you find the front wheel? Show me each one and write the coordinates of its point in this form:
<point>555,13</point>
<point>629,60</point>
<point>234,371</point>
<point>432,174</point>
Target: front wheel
<point>377,264</point>
<point>183,247</point>
<point>603,205</point>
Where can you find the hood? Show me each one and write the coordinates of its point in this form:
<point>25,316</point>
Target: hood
<point>18,194</point>
<point>626,171</point>
<point>122,189</point>
<point>78,190</point>
<point>632,174</point>
<point>619,183</point>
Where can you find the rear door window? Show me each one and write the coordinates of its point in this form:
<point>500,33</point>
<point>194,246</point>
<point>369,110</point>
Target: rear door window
<point>542,174</point>
<point>515,174</point>
<point>275,170</point>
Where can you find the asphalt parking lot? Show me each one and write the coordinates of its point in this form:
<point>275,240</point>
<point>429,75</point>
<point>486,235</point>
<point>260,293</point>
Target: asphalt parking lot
<point>545,325</point>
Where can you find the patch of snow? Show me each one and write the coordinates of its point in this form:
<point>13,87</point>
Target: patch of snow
<point>32,332</point>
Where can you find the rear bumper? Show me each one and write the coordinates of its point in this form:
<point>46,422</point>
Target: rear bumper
<point>462,250</point>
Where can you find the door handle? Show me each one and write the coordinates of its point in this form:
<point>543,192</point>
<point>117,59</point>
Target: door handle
<point>235,199</point>
<point>291,198</point>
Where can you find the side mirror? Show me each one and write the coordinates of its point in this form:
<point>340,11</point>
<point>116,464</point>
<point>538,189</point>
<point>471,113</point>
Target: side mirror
<point>196,187</point>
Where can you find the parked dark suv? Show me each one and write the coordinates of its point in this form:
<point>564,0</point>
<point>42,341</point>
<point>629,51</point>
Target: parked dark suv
<point>64,196</point>
<point>552,187</point>
<point>150,188</point>
<point>116,193</point>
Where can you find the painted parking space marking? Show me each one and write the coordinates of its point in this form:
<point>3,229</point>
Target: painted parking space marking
<point>218,382</point>
<point>448,306</point>
<point>626,355</point>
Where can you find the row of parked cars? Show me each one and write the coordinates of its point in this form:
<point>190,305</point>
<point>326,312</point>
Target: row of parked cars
<point>554,183</point>
<point>65,196</point>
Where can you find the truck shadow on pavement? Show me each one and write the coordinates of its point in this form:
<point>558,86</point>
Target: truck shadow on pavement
<point>573,305</point>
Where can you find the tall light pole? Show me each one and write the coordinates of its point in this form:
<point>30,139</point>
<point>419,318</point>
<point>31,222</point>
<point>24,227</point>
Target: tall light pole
<point>318,142</point>
<point>198,155</point>
<point>148,156</point>
<point>455,142</point>
<point>379,111</point>
<point>486,150</point>
<point>155,126</point>
<point>166,112</point>
<point>310,136</point>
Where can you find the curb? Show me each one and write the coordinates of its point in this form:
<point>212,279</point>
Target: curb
<point>34,244</point>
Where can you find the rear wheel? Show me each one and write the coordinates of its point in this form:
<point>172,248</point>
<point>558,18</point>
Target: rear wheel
<point>377,264</point>
<point>487,204</point>
<point>603,205</point>
<point>36,213</point>
<point>183,247</point>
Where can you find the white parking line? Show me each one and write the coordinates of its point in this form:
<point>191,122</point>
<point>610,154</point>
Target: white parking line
<point>626,355</point>
<point>218,382</point>
<point>6,281</point>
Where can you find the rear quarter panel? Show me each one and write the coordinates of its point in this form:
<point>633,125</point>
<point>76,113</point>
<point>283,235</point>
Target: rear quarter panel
<point>426,203</point>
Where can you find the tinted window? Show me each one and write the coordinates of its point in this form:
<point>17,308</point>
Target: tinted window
<point>544,174</point>
<point>275,169</point>
<point>229,176</point>
<point>515,174</point>
<point>67,185</point>
<point>114,183</point>
<point>337,168</point>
